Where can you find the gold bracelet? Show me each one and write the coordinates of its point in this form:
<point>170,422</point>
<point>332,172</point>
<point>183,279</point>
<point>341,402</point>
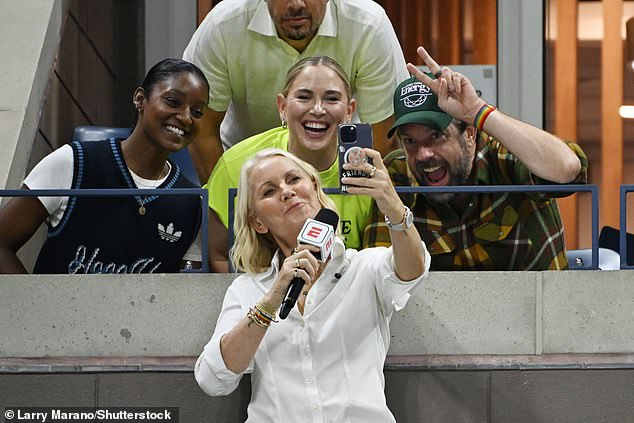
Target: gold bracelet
<point>265,316</point>
<point>267,310</point>
<point>255,318</point>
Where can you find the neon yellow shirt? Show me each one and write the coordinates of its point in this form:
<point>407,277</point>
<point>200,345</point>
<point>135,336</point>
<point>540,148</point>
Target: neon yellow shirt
<point>353,209</point>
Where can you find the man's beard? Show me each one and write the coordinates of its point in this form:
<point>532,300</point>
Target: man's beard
<point>458,175</point>
<point>298,34</point>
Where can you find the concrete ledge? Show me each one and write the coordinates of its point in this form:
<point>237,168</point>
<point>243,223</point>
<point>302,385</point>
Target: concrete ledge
<point>470,313</point>
<point>393,363</point>
<point>591,312</point>
<point>481,313</point>
<point>510,362</point>
<point>108,315</point>
<point>97,364</point>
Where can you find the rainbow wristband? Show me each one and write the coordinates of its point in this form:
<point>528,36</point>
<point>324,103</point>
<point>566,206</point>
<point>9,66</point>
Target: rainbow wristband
<point>482,116</point>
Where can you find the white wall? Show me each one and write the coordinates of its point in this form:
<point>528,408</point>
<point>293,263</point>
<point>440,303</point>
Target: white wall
<point>169,24</point>
<point>520,59</point>
<point>29,33</point>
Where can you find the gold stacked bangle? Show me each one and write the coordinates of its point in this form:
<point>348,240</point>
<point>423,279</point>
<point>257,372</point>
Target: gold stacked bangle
<point>267,310</point>
<point>262,314</point>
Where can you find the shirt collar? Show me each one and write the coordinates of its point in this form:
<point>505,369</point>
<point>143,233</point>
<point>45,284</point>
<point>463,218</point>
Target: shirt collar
<point>338,249</point>
<point>328,27</point>
<point>480,163</point>
<point>262,23</point>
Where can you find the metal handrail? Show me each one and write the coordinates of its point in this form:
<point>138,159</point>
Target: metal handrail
<point>125,192</point>
<point>624,190</point>
<point>592,189</point>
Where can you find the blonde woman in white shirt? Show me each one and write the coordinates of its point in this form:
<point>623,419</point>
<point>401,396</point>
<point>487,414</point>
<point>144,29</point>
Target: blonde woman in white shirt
<point>324,362</point>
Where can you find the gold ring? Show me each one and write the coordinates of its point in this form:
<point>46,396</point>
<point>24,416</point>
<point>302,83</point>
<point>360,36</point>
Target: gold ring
<point>298,263</point>
<point>371,174</point>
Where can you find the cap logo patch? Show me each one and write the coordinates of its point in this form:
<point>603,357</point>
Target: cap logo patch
<point>415,94</point>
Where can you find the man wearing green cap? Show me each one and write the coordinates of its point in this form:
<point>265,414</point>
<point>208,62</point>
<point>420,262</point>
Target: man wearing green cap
<point>448,137</point>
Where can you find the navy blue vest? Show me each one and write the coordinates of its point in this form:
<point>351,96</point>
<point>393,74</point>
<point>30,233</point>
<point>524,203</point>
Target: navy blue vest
<point>108,234</point>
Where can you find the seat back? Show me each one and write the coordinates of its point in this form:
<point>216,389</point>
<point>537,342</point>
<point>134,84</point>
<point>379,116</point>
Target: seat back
<point>97,133</point>
<point>582,259</point>
<point>611,238</point>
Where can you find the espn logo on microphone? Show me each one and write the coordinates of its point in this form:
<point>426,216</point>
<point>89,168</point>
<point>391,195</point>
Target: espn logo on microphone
<point>318,234</point>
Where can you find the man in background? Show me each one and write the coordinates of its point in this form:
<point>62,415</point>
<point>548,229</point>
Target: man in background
<point>450,137</point>
<point>245,48</point>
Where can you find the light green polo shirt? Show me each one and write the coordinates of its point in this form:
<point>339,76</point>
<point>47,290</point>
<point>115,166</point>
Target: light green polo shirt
<point>238,49</point>
<point>353,209</point>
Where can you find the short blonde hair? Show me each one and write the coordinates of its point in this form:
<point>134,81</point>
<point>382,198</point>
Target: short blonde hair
<point>252,252</point>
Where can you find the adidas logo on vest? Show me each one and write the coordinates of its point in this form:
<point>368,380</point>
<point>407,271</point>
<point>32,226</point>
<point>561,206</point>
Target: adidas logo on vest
<point>168,233</point>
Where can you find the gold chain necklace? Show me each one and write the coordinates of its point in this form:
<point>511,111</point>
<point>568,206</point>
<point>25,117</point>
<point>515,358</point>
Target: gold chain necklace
<point>143,201</point>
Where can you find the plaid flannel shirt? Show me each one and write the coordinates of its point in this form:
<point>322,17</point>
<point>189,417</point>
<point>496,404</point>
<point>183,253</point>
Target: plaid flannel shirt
<point>496,231</point>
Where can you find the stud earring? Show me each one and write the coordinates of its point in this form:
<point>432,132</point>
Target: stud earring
<point>284,124</point>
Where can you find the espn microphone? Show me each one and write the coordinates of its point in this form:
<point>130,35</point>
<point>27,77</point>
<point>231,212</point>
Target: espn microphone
<point>319,232</point>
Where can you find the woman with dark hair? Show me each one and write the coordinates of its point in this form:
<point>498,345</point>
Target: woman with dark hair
<point>131,234</point>
<point>324,362</point>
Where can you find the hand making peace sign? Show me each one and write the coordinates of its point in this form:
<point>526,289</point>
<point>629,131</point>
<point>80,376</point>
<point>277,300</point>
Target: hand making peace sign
<point>456,95</point>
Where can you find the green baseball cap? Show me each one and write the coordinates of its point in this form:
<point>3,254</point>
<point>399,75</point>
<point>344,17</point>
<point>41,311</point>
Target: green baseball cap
<point>415,102</point>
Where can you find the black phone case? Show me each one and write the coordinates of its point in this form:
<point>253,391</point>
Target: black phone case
<point>352,138</point>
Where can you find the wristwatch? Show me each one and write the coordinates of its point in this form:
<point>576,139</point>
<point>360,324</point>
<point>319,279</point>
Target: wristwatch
<point>408,219</point>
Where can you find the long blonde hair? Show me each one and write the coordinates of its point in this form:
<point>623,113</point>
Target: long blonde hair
<point>252,252</point>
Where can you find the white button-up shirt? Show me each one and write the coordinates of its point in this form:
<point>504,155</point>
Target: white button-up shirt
<point>327,364</point>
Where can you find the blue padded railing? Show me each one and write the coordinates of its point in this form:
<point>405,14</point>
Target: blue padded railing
<point>592,189</point>
<point>124,192</point>
<point>625,189</point>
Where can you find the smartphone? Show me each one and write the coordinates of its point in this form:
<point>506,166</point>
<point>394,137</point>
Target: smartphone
<point>352,138</point>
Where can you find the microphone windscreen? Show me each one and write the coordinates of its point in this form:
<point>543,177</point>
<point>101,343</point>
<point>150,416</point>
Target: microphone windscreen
<point>328,217</point>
